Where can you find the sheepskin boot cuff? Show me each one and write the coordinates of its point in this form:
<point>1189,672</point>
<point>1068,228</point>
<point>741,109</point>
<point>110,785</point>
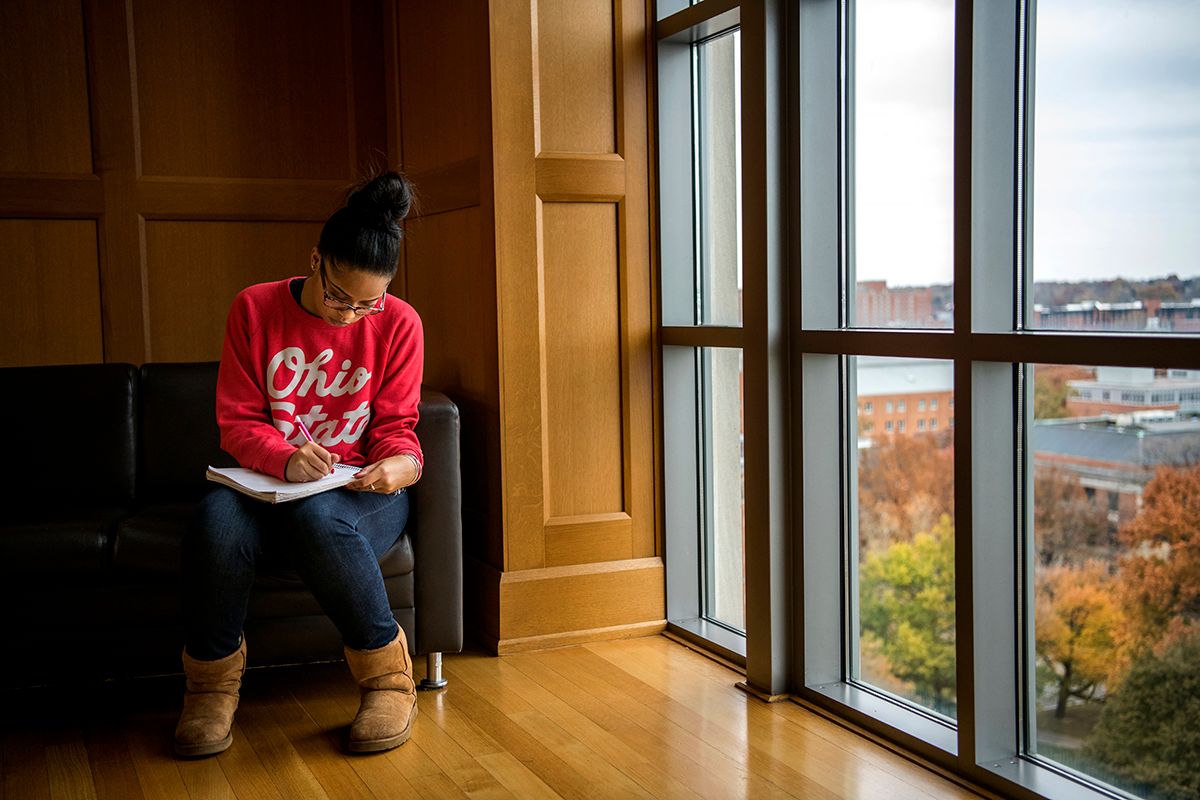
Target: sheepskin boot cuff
<point>389,699</point>
<point>206,725</point>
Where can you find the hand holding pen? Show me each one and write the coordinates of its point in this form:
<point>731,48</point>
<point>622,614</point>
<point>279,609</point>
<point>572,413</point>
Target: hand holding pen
<point>310,461</point>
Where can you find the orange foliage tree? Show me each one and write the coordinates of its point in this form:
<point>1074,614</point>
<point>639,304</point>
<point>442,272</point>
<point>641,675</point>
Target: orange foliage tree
<point>1050,389</point>
<point>1075,621</point>
<point>1068,526</point>
<point>905,485</point>
<point>1160,575</point>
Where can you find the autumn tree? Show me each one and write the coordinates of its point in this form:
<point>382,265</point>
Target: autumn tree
<point>1050,389</point>
<point>905,484</point>
<point>1068,526</point>
<point>1075,619</point>
<point>1162,289</point>
<point>1147,733</point>
<point>1160,575</point>
<point>907,611</point>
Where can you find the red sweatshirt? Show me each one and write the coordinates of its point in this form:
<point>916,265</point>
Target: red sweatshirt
<point>356,388</point>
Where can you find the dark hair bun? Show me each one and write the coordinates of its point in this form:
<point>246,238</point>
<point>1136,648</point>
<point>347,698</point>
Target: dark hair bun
<point>382,201</point>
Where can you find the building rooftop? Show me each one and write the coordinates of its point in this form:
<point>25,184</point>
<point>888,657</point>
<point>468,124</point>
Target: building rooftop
<point>887,376</point>
<point>1142,443</point>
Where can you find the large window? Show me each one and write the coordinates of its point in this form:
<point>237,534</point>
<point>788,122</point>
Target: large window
<point>1114,106</point>
<point>981,223</point>
<point>1115,517</point>
<point>899,95</point>
<point>701,310</point>
<point>901,535</point>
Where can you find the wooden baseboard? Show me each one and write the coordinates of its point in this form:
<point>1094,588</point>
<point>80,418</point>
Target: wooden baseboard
<point>549,640</point>
<point>555,606</point>
<point>583,597</point>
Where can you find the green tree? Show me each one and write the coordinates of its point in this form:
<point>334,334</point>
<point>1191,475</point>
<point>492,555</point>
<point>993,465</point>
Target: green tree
<point>1147,733</point>
<point>907,611</point>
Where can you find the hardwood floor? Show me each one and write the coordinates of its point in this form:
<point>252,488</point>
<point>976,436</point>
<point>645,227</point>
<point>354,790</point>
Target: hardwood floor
<point>636,718</point>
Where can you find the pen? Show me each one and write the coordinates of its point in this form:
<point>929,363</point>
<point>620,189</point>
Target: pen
<point>304,429</point>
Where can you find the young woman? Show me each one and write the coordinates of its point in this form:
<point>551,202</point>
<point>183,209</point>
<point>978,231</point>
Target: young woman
<point>330,356</point>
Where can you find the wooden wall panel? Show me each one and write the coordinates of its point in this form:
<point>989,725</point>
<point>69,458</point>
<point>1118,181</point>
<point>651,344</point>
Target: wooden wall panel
<point>444,86</point>
<point>441,99</point>
<point>195,269</point>
<point>576,98</point>
<point>130,112</point>
<point>452,284</point>
<point>245,90</point>
<point>52,282</point>
<point>585,458</point>
<point>456,302</point>
<point>44,125</point>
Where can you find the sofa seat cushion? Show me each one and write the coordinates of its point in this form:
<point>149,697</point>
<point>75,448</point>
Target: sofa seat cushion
<point>58,409</point>
<point>150,543</point>
<point>271,599</point>
<point>58,544</point>
<point>63,608</point>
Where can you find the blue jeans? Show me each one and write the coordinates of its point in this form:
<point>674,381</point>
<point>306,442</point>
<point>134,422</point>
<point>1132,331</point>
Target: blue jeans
<point>333,540</point>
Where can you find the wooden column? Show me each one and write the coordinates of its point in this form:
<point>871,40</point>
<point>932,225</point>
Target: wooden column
<point>569,144</point>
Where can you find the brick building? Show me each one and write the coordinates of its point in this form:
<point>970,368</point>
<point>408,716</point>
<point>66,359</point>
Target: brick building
<point>877,306</point>
<point>904,397</point>
<point>1114,458</point>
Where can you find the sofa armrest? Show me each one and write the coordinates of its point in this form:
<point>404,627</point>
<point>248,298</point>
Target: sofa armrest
<point>436,529</point>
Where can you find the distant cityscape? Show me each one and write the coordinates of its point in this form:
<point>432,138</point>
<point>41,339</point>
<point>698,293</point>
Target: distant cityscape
<point>1116,428</point>
<point>1168,304</point>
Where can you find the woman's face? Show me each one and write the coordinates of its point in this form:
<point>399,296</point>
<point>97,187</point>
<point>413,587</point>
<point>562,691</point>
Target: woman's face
<point>345,296</point>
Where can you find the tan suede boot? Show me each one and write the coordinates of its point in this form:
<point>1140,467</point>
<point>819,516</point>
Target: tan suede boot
<point>389,697</point>
<point>206,725</point>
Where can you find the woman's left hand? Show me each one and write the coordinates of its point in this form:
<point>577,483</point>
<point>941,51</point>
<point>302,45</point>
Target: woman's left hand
<point>386,476</point>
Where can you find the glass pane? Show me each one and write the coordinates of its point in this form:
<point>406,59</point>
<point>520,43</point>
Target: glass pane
<point>903,587</point>
<point>1115,667</point>
<point>1115,165</point>
<point>723,493</point>
<point>719,180</point>
<point>665,8</point>
<point>901,147</point>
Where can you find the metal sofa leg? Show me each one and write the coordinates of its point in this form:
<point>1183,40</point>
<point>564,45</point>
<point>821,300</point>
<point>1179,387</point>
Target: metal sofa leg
<point>433,673</point>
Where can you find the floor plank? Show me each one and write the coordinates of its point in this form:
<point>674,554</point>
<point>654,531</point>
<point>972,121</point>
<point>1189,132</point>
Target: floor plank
<point>640,718</point>
<point>70,773</point>
<point>156,768</point>
<point>23,759</point>
<point>111,765</point>
<point>291,776</point>
<point>245,770</point>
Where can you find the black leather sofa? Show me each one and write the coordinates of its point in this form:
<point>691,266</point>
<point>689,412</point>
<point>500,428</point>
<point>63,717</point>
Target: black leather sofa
<point>103,466</point>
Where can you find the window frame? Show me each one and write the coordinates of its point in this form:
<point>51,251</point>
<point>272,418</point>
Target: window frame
<point>992,353</point>
<point>795,342</point>
<point>684,342</point>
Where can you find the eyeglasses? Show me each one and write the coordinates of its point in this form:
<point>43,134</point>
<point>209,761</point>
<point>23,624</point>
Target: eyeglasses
<point>332,302</point>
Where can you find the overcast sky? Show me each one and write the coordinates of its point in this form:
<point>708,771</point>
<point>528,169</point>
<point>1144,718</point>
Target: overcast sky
<point>1117,139</point>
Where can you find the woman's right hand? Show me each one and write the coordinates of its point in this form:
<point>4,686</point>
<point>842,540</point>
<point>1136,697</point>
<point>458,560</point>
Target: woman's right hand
<point>310,462</point>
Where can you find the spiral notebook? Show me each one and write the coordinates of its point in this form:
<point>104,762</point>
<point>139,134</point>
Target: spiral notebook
<point>272,490</point>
